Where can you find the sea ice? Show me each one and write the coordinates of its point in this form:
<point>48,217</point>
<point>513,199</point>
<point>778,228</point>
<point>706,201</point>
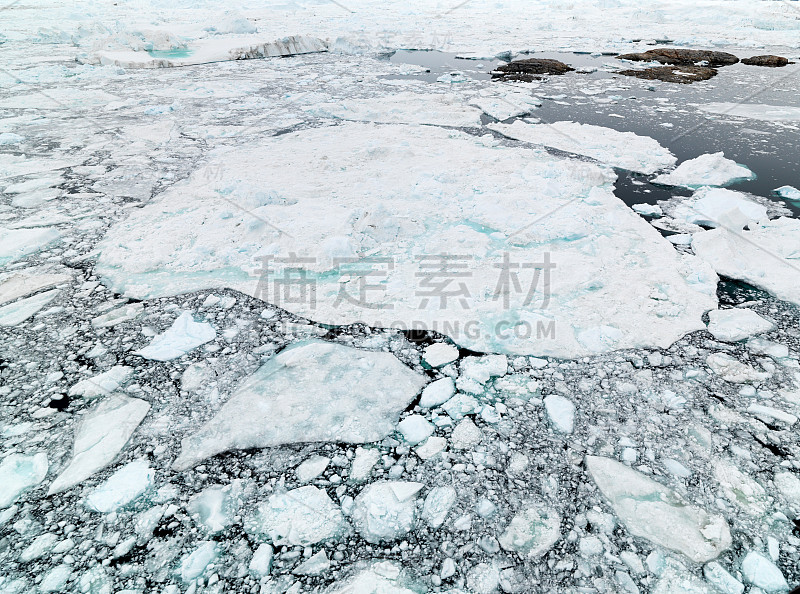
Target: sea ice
<point>121,488</point>
<point>261,562</point>
<point>733,370</point>
<point>735,324</point>
<point>715,207</point>
<point>312,391</point>
<point>741,490</point>
<point>706,170</point>
<point>311,468</point>
<point>19,311</point>
<point>721,579</point>
<point>466,435</point>
<point>762,573</point>
<point>648,210</point>
<point>195,564</point>
<point>437,392</point>
<point>385,511</point>
<point>103,383</point>
<point>763,256</point>
<point>214,507</point>
<point>655,512</point>
<point>119,315</point>
<point>437,505</point>
<point>756,111</point>
<point>439,354</point>
<point>18,473</point>
<point>363,462</point>
<point>380,577</point>
<point>625,150</point>
<point>404,108</point>
<point>184,335</point>
<point>317,564</point>
<point>561,412</point>
<point>532,531</point>
<point>303,516</point>
<point>18,243</point>
<point>29,280</point>
<point>415,429</point>
<point>789,193</point>
<point>99,436</point>
<point>615,274</point>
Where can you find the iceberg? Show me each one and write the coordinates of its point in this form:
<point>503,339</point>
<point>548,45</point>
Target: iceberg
<point>19,473</point>
<point>625,150</point>
<point>789,193</point>
<point>711,169</point>
<point>311,392</point>
<point>365,231</point>
<point>304,516</point>
<point>765,255</point>
<point>99,436</point>
<point>184,335</point>
<point>652,511</point>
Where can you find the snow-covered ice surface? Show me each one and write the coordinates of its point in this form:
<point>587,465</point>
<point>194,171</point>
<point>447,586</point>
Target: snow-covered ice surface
<point>174,421</point>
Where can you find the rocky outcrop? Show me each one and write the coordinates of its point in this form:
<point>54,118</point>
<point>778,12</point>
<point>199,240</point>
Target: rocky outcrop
<point>674,74</point>
<point>682,57</point>
<point>768,60</point>
<point>530,69</point>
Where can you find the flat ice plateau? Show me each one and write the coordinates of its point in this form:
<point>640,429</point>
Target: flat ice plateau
<point>307,297</point>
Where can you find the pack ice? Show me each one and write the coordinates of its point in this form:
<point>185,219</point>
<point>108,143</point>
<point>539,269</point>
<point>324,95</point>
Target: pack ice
<point>404,195</point>
<point>312,391</point>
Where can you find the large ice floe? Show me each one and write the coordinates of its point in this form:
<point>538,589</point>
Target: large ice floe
<point>765,255</point>
<point>706,170</point>
<point>310,392</point>
<point>625,150</point>
<point>755,111</point>
<point>546,259</point>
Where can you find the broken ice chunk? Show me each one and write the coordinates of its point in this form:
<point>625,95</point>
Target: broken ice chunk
<point>655,512</point>
<point>380,577</point>
<point>40,546</point>
<point>18,243</point>
<point>532,531</point>
<point>29,280</point>
<point>18,473</point>
<point>762,573</point>
<point>648,210</point>
<point>122,487</point>
<point>99,437</point>
<point>741,490</point>
<point>788,192</point>
<point>465,435</point>
<point>706,170</point>
<point>771,415</point>
<point>431,447</point>
<point>476,371</point>
<point>118,315</point>
<point>103,383</point>
<point>214,507</point>
<point>716,207</point>
<point>19,311</point>
<point>184,335</point>
<point>385,511</point>
<point>721,579</point>
<point>732,370</point>
<point>363,462</point>
<point>440,354</point>
<point>195,564</point>
<point>415,429</point>
<point>312,391</point>
<point>261,562</point>
<point>437,392</point>
<point>561,412</point>
<point>311,468</point>
<point>734,324</point>
<point>303,516</point>
<point>437,505</point>
<point>315,565</point>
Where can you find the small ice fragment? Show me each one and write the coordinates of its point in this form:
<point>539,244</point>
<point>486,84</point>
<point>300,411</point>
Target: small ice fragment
<point>103,383</point>
<point>363,462</point>
<point>122,487</point>
<point>261,562</point>
<point>465,435</point>
<point>184,335</point>
<point>415,429</point>
<point>380,516</point>
<point>706,170</point>
<point>437,392</point>
<point>311,468</point>
<point>440,354</point>
<point>561,412</point>
<point>437,505</point>
<point>648,210</point>
<point>532,531</point>
<point>195,564</point>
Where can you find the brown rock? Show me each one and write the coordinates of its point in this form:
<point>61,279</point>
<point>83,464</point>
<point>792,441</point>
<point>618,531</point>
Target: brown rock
<point>531,68</point>
<point>770,61</point>
<point>682,57</point>
<point>674,74</point>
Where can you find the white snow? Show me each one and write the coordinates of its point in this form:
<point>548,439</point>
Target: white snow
<point>711,169</point>
<point>561,412</point>
<point>19,311</point>
<point>655,512</point>
<point>764,256</point>
<point>385,511</point>
<point>610,264</point>
<point>121,488</point>
<point>532,531</point>
<point>103,383</point>
<point>99,436</point>
<point>437,392</point>
<point>184,335</point>
<point>312,391</point>
<point>714,207</point>
<point>735,324</point>
<point>762,573</point>
<point>756,111</point>
<point>19,473</point>
<point>625,150</point>
<point>439,354</point>
<point>303,516</point>
<point>415,429</point>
